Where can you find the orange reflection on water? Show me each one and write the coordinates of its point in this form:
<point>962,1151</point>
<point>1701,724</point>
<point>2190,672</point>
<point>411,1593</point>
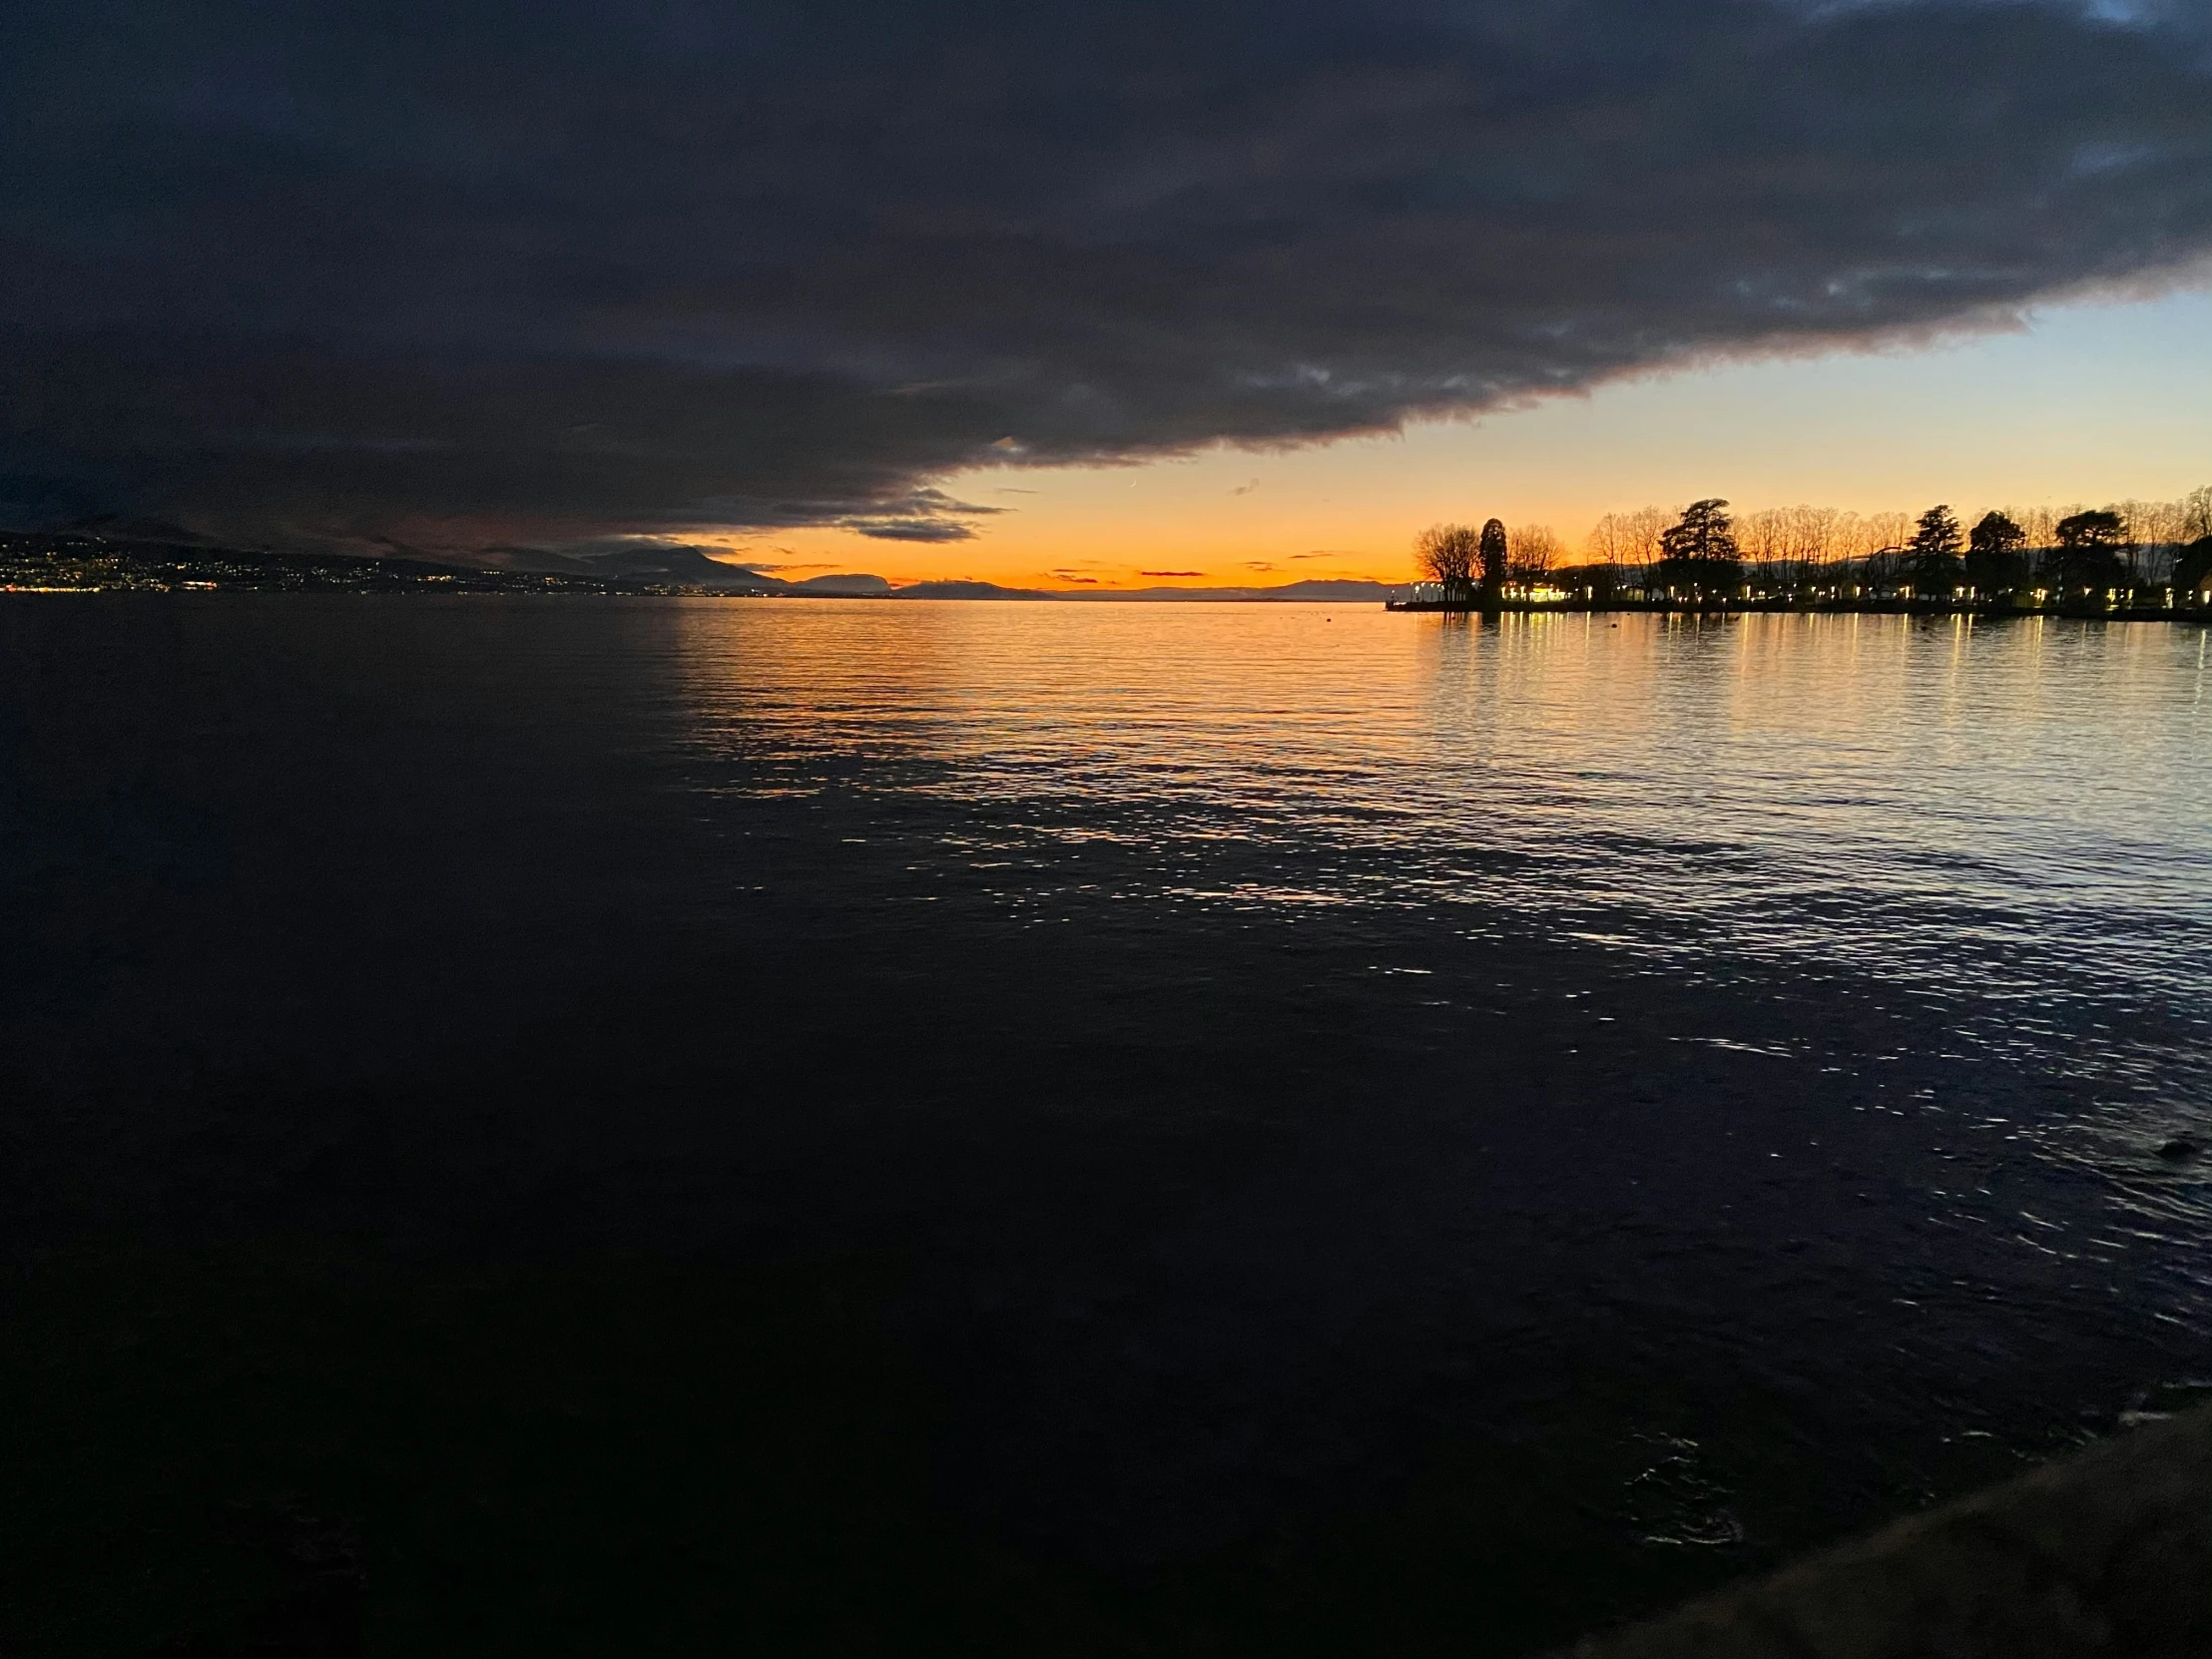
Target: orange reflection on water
<point>1815,785</point>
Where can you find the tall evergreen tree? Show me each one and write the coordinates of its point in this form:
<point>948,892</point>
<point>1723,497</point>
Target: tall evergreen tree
<point>1994,532</point>
<point>1932,556</point>
<point>2090,548</point>
<point>1698,553</point>
<point>1705,531</point>
<point>1493,554</point>
<point>1995,562</point>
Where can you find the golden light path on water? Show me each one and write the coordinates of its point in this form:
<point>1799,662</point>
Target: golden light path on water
<point>2010,823</point>
<point>1869,789</point>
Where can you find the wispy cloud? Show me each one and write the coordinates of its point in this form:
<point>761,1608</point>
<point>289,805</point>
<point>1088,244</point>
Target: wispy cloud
<point>910,529</point>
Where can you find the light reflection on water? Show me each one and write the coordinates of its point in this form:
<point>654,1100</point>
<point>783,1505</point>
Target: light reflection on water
<point>2012,819</point>
<point>2027,804</point>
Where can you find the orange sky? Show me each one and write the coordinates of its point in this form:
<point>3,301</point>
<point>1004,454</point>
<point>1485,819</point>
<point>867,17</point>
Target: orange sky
<point>2090,402</point>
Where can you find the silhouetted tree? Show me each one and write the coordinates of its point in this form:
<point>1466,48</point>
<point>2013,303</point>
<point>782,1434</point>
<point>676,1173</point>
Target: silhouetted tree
<point>1607,542</point>
<point>2196,513</point>
<point>2193,570</point>
<point>1704,531</point>
<point>1764,540</point>
<point>1491,554</point>
<point>2090,546</point>
<point>1813,532</point>
<point>1641,531</point>
<point>1700,551</point>
<point>1933,554</point>
<point>1531,553</point>
<point>1995,562</point>
<point>1881,539</point>
<point>1446,555</point>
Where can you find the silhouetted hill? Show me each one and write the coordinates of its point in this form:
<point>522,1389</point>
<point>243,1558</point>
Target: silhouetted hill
<point>680,567</point>
<point>150,531</point>
<point>535,561</point>
<point>1313,592</point>
<point>1331,590</point>
<point>968,590</point>
<point>674,565</point>
<point>1293,592</point>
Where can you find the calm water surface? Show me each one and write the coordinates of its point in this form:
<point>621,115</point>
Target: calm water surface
<point>1510,1122</point>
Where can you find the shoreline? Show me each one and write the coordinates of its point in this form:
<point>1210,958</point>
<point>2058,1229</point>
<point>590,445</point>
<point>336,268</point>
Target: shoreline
<point>1851,607</point>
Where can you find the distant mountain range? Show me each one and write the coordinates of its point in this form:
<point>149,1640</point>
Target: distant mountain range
<point>1307,591</point>
<point>1293,592</point>
<point>674,565</point>
<point>683,566</point>
<point>169,553</point>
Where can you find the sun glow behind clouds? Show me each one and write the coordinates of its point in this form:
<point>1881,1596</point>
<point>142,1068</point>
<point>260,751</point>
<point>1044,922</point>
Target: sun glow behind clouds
<point>2090,402</point>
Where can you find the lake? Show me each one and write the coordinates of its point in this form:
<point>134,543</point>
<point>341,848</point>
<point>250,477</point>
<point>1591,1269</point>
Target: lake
<point>1068,1127</point>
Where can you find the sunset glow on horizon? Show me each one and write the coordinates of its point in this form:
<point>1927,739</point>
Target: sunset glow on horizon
<point>2090,402</point>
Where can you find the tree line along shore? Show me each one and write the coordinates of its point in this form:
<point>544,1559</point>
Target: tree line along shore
<point>2131,559</point>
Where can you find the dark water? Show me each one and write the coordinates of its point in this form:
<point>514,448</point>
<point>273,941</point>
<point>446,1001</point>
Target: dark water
<point>661,1126</point>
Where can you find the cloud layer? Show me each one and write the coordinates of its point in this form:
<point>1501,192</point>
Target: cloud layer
<point>462,273</point>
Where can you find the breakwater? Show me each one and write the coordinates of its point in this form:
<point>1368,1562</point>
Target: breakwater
<point>1867,607</point>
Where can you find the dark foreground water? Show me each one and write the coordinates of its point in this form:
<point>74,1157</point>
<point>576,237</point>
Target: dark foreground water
<point>650,1127</point>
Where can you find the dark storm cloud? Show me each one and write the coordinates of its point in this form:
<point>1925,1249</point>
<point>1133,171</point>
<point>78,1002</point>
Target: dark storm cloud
<point>910,529</point>
<point>567,268</point>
